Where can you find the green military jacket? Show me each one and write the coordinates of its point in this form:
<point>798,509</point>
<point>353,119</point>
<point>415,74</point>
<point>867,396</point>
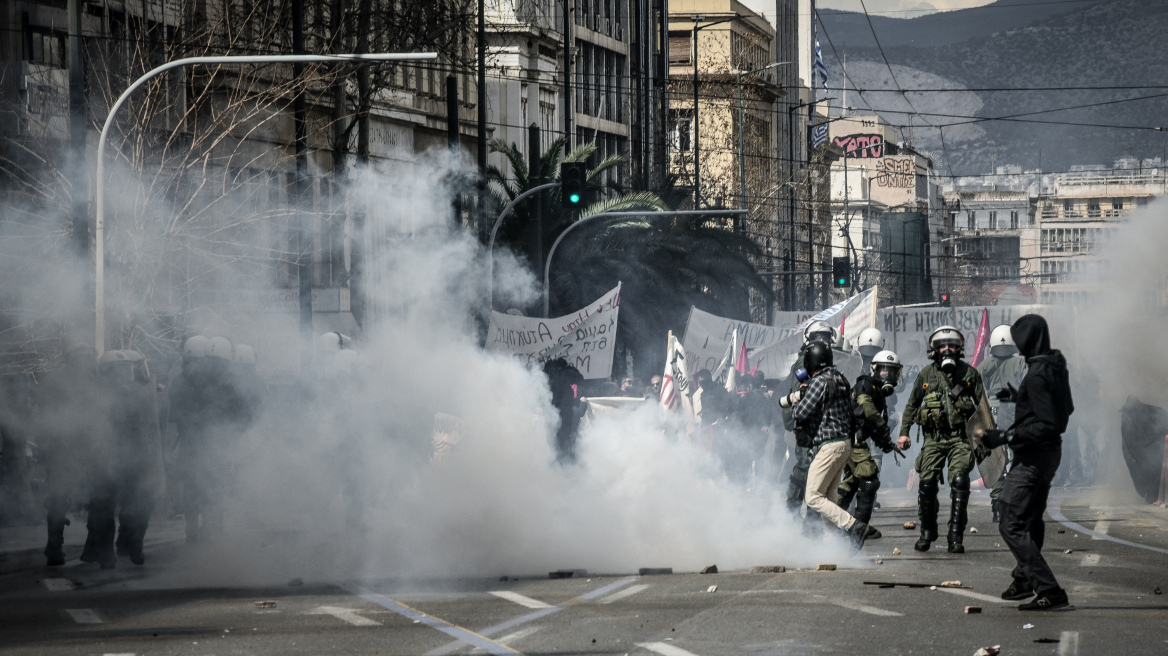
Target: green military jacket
<point>873,409</point>
<point>941,403</point>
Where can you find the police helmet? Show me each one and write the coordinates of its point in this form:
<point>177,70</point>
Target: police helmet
<point>333,342</point>
<point>243,355</point>
<point>220,347</point>
<point>946,335</point>
<point>871,342</point>
<point>819,328</point>
<point>112,362</point>
<point>196,347</point>
<point>886,362</point>
<point>1001,342</point>
<point>817,356</point>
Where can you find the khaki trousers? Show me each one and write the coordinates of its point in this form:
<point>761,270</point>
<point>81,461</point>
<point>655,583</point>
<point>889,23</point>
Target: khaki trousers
<point>823,479</point>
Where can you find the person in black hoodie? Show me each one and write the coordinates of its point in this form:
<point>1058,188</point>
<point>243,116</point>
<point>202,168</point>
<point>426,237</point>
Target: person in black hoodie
<point>1042,407</point>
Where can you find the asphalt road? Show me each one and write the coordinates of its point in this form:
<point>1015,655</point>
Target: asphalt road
<point>80,609</point>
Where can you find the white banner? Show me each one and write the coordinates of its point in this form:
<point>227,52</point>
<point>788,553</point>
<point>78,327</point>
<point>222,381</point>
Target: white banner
<point>708,338</point>
<point>586,339</point>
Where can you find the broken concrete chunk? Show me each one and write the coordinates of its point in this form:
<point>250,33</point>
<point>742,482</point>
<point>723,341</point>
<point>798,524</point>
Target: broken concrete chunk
<point>265,604</point>
<point>568,573</point>
<point>908,526</point>
<point>973,529</point>
<point>879,561</point>
<point>712,588</point>
<point>951,584</point>
<point>651,571</point>
<point>712,569</point>
<point>1027,626</point>
<point>1157,590</point>
<point>825,567</point>
<point>896,552</point>
<point>988,651</point>
<point>1069,551</point>
<point>767,569</point>
<point>972,610</point>
<point>997,545</point>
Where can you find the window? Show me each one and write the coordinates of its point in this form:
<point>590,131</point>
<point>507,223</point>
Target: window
<point>680,46</point>
<point>1014,220</point>
<point>1068,206</point>
<point>680,130</point>
<point>1117,203</point>
<point>971,220</point>
<point>993,220</point>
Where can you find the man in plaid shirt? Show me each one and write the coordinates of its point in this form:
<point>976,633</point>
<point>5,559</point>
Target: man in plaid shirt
<point>824,410</point>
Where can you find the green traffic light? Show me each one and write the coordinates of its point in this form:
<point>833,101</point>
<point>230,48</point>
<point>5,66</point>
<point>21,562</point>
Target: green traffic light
<point>843,281</point>
<point>574,198</point>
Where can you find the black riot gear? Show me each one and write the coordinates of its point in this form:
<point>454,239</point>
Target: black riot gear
<point>817,356</point>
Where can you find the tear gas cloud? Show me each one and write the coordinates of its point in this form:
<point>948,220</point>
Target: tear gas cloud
<point>335,476</point>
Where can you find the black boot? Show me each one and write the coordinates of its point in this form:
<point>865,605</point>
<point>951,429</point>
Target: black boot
<point>55,545</point>
<point>927,508</point>
<point>866,498</point>
<point>996,508</point>
<point>857,534</point>
<point>958,513</point>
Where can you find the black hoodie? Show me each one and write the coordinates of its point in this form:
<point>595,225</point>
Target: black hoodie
<point>1044,398</point>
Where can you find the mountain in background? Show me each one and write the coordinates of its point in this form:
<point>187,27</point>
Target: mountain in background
<point>1112,43</point>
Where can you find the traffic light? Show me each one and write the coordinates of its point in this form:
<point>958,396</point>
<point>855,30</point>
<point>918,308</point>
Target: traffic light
<point>573,184</point>
<point>944,300</point>
<point>841,268</point>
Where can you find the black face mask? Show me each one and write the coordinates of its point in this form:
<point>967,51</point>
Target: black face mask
<point>887,382</point>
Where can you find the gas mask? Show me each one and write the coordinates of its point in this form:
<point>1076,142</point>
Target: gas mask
<point>887,376</point>
<point>947,357</point>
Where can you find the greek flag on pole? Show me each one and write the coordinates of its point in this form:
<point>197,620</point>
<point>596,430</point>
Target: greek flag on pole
<point>819,68</point>
<point>818,135</point>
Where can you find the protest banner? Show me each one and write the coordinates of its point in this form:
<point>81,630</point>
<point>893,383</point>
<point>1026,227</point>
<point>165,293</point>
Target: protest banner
<point>586,338</point>
<point>709,338</point>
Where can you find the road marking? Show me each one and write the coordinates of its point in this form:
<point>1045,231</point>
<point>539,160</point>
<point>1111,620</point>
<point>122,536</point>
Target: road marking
<point>345,614</point>
<point>1089,560</point>
<point>526,602</point>
<point>1057,514</point>
<point>975,595</point>
<point>534,615</point>
<point>1101,529</point>
<point>58,585</point>
<point>510,638</point>
<point>84,616</point>
<point>627,592</point>
<point>665,649</point>
<point>463,635</point>
<point>871,610</point>
<point>1069,643</point>
<point>117,655</point>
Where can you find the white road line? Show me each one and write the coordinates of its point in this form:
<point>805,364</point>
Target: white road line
<point>1069,643</point>
<point>871,610</point>
<point>526,602</point>
<point>1089,560</point>
<point>665,649</point>
<point>84,615</point>
<point>510,638</point>
<point>345,614</point>
<point>117,655</point>
<point>975,595</point>
<point>1101,527</point>
<point>627,592</point>
<point>57,585</point>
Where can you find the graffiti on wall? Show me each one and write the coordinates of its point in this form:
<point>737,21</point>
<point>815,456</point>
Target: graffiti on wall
<point>900,173</point>
<point>861,145</point>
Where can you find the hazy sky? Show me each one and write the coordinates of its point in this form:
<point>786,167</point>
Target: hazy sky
<point>902,8</point>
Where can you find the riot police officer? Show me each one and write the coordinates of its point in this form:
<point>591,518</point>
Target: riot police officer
<point>1000,372</point>
<point>944,397</point>
<point>861,474</point>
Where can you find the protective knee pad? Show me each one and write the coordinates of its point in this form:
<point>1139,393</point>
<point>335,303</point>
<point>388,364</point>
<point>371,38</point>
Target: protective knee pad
<point>961,483</point>
<point>930,488</point>
<point>869,485</point>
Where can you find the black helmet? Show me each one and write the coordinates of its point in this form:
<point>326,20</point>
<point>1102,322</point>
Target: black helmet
<point>817,356</point>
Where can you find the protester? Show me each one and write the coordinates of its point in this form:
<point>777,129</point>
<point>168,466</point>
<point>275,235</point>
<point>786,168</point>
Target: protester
<point>1043,407</point>
<point>653,391</point>
<point>824,415</point>
<point>564,381</point>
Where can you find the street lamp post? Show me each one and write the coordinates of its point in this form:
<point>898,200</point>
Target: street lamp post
<point>99,224</point>
<point>495,230</point>
<point>697,148</point>
<point>547,267</point>
<point>789,289</point>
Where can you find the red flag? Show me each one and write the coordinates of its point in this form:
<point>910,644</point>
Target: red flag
<point>740,364</point>
<point>983,338</point>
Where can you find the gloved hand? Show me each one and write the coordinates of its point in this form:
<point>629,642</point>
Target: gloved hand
<point>1008,394</point>
<point>991,439</point>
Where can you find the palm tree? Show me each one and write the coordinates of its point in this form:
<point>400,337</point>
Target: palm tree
<point>665,265</point>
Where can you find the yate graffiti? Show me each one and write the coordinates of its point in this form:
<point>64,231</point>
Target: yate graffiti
<point>861,145</point>
<point>896,173</point>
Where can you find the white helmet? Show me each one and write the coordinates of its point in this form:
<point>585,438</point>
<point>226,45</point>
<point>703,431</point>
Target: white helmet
<point>946,335</point>
<point>333,342</point>
<point>1002,342</point>
<point>886,361</point>
<point>196,347</point>
<point>819,327</point>
<point>871,342</point>
<point>110,361</point>
<point>220,347</point>
<point>244,355</point>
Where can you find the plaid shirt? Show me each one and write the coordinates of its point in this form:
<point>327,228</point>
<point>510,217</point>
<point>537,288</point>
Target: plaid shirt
<point>825,415</point>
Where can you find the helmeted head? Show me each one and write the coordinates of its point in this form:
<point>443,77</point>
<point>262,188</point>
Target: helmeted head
<point>820,331</point>
<point>946,347</point>
<point>817,356</point>
<point>871,342</point>
<point>219,354</point>
<point>195,348</point>
<point>121,366</point>
<point>243,356</point>
<point>1001,343</point>
<point>886,369</point>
